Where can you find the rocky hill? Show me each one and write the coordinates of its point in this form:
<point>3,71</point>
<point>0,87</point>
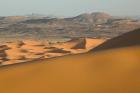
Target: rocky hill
<point>95,25</point>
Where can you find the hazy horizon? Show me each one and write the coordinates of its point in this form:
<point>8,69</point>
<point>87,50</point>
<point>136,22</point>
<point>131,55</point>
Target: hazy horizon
<point>67,8</point>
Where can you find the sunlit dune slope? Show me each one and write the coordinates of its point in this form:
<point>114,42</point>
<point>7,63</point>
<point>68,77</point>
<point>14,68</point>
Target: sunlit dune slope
<point>129,39</point>
<point>80,43</point>
<point>112,71</point>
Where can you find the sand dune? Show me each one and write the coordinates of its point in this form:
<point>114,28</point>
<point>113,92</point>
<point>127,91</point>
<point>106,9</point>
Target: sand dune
<point>86,73</point>
<point>76,43</point>
<point>79,45</point>
<point>129,39</point>
<point>33,43</point>
<point>92,43</point>
<point>16,44</point>
<point>111,71</point>
<point>28,50</point>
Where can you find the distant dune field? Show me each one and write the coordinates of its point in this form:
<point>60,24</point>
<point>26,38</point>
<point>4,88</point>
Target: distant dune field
<point>30,50</point>
<point>112,70</point>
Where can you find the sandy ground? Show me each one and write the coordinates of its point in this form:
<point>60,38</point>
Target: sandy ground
<point>31,50</point>
<point>114,70</point>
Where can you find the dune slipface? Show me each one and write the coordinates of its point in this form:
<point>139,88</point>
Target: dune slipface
<point>128,39</point>
<point>115,70</point>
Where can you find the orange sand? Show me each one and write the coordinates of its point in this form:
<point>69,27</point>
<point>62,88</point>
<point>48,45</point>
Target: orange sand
<point>112,71</point>
<point>115,70</point>
<point>28,50</point>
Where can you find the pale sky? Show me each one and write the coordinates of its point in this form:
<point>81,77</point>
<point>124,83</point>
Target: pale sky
<point>69,7</point>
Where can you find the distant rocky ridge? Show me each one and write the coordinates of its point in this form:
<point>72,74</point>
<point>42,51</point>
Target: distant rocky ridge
<point>94,25</point>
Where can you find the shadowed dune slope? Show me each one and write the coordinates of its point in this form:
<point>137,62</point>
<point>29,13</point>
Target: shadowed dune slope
<point>112,71</point>
<point>80,43</point>
<point>75,43</point>
<point>128,39</point>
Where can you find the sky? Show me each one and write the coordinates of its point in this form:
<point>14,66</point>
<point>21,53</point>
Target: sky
<point>68,8</point>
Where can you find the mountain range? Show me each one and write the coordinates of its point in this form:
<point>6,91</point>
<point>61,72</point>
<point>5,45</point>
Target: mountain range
<point>93,25</point>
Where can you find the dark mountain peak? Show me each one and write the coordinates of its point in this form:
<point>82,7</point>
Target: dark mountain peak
<point>100,13</point>
<point>84,15</point>
<point>98,17</point>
